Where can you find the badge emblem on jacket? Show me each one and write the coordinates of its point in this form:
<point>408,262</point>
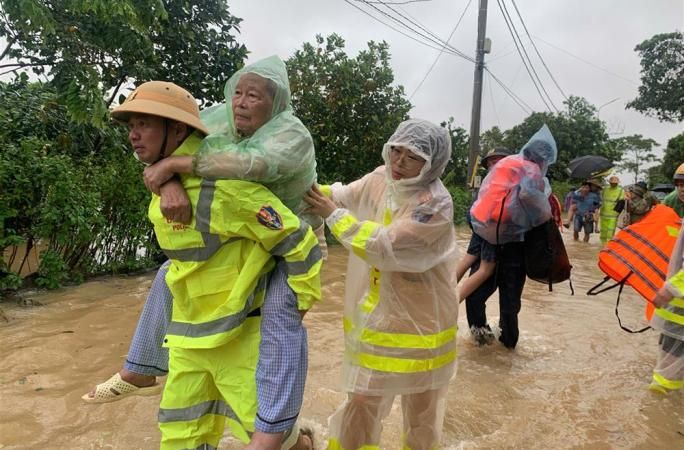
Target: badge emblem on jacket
<point>268,217</point>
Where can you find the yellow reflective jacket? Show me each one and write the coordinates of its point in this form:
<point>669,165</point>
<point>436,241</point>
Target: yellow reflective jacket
<point>609,197</point>
<point>221,261</point>
<point>670,319</point>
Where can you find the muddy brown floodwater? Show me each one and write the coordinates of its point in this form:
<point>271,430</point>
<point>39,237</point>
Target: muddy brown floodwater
<point>574,381</point>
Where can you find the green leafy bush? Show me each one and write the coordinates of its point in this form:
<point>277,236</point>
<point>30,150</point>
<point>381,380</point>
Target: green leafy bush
<point>73,186</point>
<point>53,271</point>
<point>463,199</point>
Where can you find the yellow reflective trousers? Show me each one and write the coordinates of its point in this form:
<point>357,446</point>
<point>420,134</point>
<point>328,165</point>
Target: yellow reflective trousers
<point>207,388</point>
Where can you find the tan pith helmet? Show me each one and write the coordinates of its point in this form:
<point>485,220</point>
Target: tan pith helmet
<point>679,173</point>
<point>163,99</point>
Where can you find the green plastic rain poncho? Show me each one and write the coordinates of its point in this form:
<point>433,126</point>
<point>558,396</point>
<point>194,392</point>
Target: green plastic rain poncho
<point>401,305</point>
<point>279,155</point>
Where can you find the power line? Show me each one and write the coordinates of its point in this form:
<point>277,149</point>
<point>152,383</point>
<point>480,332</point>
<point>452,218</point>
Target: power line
<point>500,55</point>
<point>491,97</point>
<point>521,55</point>
<point>443,46</point>
<point>441,51</point>
<point>537,50</point>
<point>528,62</point>
<point>397,30</point>
<point>585,61</point>
<point>416,23</point>
<point>434,39</point>
<point>520,102</point>
<point>515,75</point>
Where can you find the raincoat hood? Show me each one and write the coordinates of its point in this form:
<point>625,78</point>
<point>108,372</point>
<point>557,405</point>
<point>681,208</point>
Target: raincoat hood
<point>272,69</point>
<point>279,154</point>
<point>427,140</point>
<point>541,149</point>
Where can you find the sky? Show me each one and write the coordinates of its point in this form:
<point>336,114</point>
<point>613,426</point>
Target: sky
<point>587,45</point>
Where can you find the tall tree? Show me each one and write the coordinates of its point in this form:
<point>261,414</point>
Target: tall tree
<point>674,156</point>
<point>491,138</point>
<point>88,203</point>
<point>89,49</point>
<point>661,93</point>
<point>576,129</point>
<point>637,153</point>
<point>457,169</point>
<point>350,104</point>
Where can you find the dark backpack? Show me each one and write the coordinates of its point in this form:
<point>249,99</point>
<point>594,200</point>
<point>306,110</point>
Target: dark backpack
<point>546,260</point>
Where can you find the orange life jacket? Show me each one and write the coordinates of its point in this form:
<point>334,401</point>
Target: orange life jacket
<point>639,254</point>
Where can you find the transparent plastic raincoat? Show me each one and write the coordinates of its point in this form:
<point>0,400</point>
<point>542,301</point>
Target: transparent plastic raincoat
<point>279,155</point>
<point>401,305</point>
<point>668,374</point>
<point>519,183</point>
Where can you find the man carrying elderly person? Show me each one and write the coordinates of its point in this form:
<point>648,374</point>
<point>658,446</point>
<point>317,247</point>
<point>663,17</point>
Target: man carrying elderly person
<point>257,138</point>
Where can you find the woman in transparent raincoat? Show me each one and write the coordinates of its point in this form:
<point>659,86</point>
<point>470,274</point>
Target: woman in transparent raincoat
<point>668,318</point>
<point>401,305</point>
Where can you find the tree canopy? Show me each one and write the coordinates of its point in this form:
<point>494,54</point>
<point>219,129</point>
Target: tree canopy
<point>661,93</point>
<point>576,129</point>
<point>636,152</point>
<point>349,104</point>
<point>67,176</point>
<point>456,171</point>
<point>88,50</point>
<point>674,156</point>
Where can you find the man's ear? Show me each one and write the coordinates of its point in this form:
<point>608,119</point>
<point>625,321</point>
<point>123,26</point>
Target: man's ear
<point>180,132</point>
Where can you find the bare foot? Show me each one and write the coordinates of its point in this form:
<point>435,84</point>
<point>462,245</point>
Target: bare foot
<point>136,379</point>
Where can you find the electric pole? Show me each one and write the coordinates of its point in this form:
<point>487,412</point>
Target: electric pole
<point>474,145</point>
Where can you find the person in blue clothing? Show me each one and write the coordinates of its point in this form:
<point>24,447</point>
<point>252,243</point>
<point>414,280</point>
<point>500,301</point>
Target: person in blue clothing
<point>586,203</point>
<point>567,201</point>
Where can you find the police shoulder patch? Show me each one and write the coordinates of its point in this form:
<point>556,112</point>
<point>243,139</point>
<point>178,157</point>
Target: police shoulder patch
<point>269,217</point>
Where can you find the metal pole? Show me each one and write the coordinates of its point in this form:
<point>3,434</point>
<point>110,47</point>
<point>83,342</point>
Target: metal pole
<point>477,93</point>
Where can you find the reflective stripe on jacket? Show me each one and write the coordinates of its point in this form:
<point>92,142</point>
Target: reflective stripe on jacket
<point>221,261</point>
<point>609,197</point>
<point>377,349</point>
<point>674,311</point>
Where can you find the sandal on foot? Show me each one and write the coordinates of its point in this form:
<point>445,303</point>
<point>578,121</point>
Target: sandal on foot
<point>308,432</point>
<point>116,388</point>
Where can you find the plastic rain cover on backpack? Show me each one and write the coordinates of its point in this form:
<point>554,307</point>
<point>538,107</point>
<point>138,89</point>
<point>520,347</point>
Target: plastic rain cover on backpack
<point>280,154</point>
<point>514,195</point>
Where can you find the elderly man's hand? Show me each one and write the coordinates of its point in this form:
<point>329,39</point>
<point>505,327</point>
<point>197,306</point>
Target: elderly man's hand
<point>319,204</point>
<point>175,204</point>
<point>157,174</point>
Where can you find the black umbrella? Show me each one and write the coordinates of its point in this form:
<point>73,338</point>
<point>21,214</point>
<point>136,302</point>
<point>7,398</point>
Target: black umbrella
<point>588,166</point>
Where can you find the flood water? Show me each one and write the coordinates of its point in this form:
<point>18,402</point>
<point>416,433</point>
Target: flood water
<point>576,380</point>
